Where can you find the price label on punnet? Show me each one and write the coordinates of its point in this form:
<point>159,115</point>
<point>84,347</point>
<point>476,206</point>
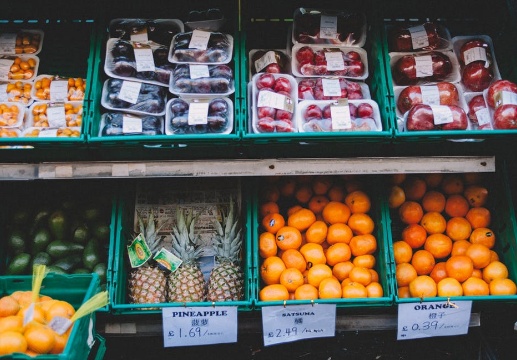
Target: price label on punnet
<point>190,326</point>
<point>281,324</point>
<point>429,319</point>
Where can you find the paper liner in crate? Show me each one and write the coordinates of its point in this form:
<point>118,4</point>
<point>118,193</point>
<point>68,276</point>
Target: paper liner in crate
<point>22,41</point>
<point>120,123</point>
<point>331,89</point>
<point>192,80</point>
<point>201,47</point>
<point>18,67</point>
<point>11,114</point>
<point>418,36</point>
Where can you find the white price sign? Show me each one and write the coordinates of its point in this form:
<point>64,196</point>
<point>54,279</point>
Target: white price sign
<point>442,114</point>
<point>328,27</point>
<point>5,67</point>
<point>428,319</point>
<point>265,60</point>
<point>281,324</point>
<point>188,326</point>
<point>275,100</point>
<point>199,71</point>
<point>8,43</point>
<point>56,116</point>
<point>3,92</point>
<point>430,94</point>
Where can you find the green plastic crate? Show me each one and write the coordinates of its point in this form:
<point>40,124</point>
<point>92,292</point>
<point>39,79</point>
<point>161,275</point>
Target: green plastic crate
<point>382,266</point>
<point>121,267</point>
<point>75,289</point>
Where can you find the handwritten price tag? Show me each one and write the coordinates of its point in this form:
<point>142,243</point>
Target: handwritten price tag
<point>296,322</point>
<point>428,319</point>
<point>188,326</point>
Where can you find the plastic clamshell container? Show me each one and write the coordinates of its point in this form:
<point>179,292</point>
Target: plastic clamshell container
<point>251,54</point>
<point>16,94</point>
<point>105,102</point>
<point>295,65</point>
<point>214,23</point>
<point>41,132</point>
<point>367,122</point>
<point>491,111</point>
<point>485,117</point>
<point>75,289</point>
<point>103,124</point>
<point>24,32</point>
<point>228,50</point>
<point>29,120</point>
<point>175,89</point>
<point>134,23</point>
<point>10,132</point>
<point>403,123</point>
<point>8,58</point>
<point>444,40</point>
<point>6,119</point>
<point>72,96</point>
<point>365,89</point>
<point>226,130</point>
<point>254,97</point>
<point>340,17</point>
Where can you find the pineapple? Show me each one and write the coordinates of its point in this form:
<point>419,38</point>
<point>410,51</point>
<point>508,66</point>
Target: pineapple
<point>226,281</point>
<point>186,284</point>
<point>147,284</point>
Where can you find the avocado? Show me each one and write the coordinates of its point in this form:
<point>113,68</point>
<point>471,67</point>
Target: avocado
<point>39,219</point>
<point>58,224</point>
<point>80,234</point>
<point>41,258</point>
<point>40,240</point>
<point>59,248</point>
<point>20,217</point>
<point>68,263</point>
<point>16,241</point>
<point>100,269</point>
<point>101,231</point>
<point>91,254</point>
<point>91,213</point>
<point>19,265</point>
<point>56,270</point>
<point>81,271</point>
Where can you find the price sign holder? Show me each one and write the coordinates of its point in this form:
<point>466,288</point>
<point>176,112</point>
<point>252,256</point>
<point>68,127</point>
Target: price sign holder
<point>281,324</point>
<point>191,326</point>
<point>429,319</point>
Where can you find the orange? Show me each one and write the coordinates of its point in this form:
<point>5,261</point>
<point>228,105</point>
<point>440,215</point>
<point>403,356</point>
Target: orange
<point>458,228</point>
<point>456,205</point>
<point>476,195</point>
<point>452,184</point>
<point>483,236</point>
<point>423,286</point>
<point>423,262</point>
<point>474,286</point>
<point>301,219</point>
<point>404,274</point>
<point>360,275</point>
<point>477,273</point>
<point>433,201</point>
<point>313,254</point>
<point>479,254</point>
<point>472,178</point>
<point>292,258</point>
<point>342,270</point>
<point>317,232</point>
<point>403,292</point>
<point>337,253</point>
<point>495,270</point>
<point>267,245</point>
<point>374,290</point>
<point>275,292</point>
<point>273,222</point>
<point>402,252</point>
<point>60,343</point>
<point>479,217</point>
<point>459,267</point>
<point>287,187</point>
<point>321,184</point>
<point>317,203</point>
<point>354,290</point>
<point>330,288</point>
<point>269,207</point>
<point>336,193</point>
<point>317,273</point>
<point>8,306</point>
<point>11,323</point>
<point>493,256</point>
<point>40,339</point>
<point>293,209</point>
<point>291,278</point>
<point>336,212</point>
<point>439,272</point>
<point>397,179</point>
<point>396,197</point>
<point>353,183</point>
<point>288,237</point>
<point>361,223</point>
<point>433,222</point>
<point>59,308</point>
<point>271,269</point>
<point>306,292</point>
<point>410,212</point>
<point>39,314</point>
<point>11,342</point>
<point>502,287</point>
<point>24,298</point>
<point>358,202</point>
<point>414,187</point>
<point>303,193</point>
<point>339,233</point>
<point>460,247</point>
<point>439,245</point>
<point>433,180</point>
<point>415,235</point>
<point>367,261</point>
<point>363,244</point>
<point>449,287</point>
<point>270,193</point>
<point>375,275</point>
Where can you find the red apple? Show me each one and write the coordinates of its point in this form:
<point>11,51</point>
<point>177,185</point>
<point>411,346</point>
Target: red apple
<point>327,114</point>
<point>476,77</point>
<point>365,110</point>
<point>505,117</point>
<point>473,44</point>
<point>266,111</point>
<point>312,112</point>
<point>265,81</point>
<point>282,84</point>
<point>412,95</point>
<point>305,55</point>
<point>459,119</point>
<point>353,55</point>
<point>404,69</point>
<point>353,110</point>
<point>420,118</point>
<point>283,115</point>
<point>475,104</point>
<point>319,58</point>
<point>284,126</point>
<point>355,68</point>
<point>498,86</point>
<point>273,68</point>
<point>266,124</point>
<point>305,92</point>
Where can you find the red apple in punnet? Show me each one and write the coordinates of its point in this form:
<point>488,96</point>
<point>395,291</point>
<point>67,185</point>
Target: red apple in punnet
<point>404,69</point>
<point>273,68</point>
<point>353,110</point>
<point>353,55</point>
<point>305,55</point>
<point>475,43</point>
<point>266,124</point>
<point>355,68</point>
<point>265,80</point>
<point>284,126</point>
<point>476,76</point>
<point>282,84</point>
<point>400,38</point>
<point>319,58</point>
<point>312,112</point>
<point>420,118</point>
<point>355,95</point>
<point>283,115</point>
<point>505,117</point>
<point>412,95</point>
<point>305,92</point>
<point>475,104</point>
<point>266,111</point>
<point>365,110</point>
<point>327,114</point>
<point>498,86</point>
<point>459,119</point>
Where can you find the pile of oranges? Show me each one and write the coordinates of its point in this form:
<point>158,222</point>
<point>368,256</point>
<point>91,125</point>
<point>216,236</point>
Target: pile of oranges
<point>36,337</point>
<point>316,239</point>
<point>446,244</point>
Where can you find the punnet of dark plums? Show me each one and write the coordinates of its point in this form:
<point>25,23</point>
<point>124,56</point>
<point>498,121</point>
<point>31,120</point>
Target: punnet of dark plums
<point>114,124</point>
<point>151,99</point>
<point>218,117</point>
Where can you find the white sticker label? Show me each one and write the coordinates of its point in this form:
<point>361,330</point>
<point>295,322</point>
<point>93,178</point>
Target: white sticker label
<point>199,71</point>
<point>265,60</point>
<point>58,90</point>
<point>419,37</point>
<point>198,113</point>
<point>29,315</point>
<point>506,98</point>
<point>475,54</point>
<point>131,125</point>
<point>47,133</point>
<point>192,326</point>
<point>281,324</point>
<point>442,114</point>
<point>274,100</point>
<point>334,60</point>
<point>428,319</point>
<point>129,91</point>
<point>7,43</point>
<point>341,119</point>
<point>331,87</point>
<point>56,116</point>
<point>430,94</point>
<point>3,92</point>
<point>199,40</point>
<point>328,27</point>
<point>424,66</point>
<point>483,116</point>
<point>60,324</point>
<point>140,36</point>
<point>144,59</point>
<point>5,67</point>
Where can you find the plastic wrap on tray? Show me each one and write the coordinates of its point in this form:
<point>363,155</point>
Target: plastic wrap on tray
<point>68,132</point>
<point>55,115</point>
<point>9,132</point>
<point>270,61</point>
<point>57,88</point>
<point>158,31</point>
<point>424,68</point>
<point>118,123</point>
<point>331,89</point>
<point>501,98</point>
<point>414,37</point>
<point>16,91</point>
<point>423,117</point>
<point>21,41</point>
<point>208,20</point>
<point>134,97</point>
<point>23,67</point>
<point>11,114</point>
<point>196,79</point>
<point>442,93</point>
<point>201,47</point>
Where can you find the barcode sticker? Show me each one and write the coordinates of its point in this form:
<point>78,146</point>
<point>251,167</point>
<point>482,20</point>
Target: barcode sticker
<point>430,94</point>
<point>475,54</point>
<point>199,40</point>
<point>334,60</point>
<point>424,66</point>
<point>419,37</point>
<point>442,114</point>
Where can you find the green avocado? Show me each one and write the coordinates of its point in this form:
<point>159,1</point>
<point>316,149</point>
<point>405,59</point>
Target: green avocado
<point>91,254</point>
<point>100,269</point>
<point>40,240</point>
<point>80,234</point>
<point>41,258</point>
<point>16,241</point>
<point>59,248</point>
<point>68,263</point>
<point>19,265</point>
<point>101,231</point>
<point>40,219</point>
<point>58,224</point>
<point>55,270</point>
<point>81,271</point>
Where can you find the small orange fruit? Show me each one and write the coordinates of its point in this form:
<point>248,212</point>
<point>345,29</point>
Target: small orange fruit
<point>433,180</point>
<point>317,273</point>
<point>291,278</point>
<point>414,187</point>
<point>397,179</point>
<point>458,228</point>
<point>477,273</point>
<point>317,232</point>
<point>360,275</point>
<point>306,292</point>
<point>404,274</point>
<point>336,212</point>
<point>339,233</point>
<point>342,270</point>
<point>433,222</point>
<point>410,212</point>
<point>8,306</point>
<point>483,236</point>
<point>267,245</point>
<point>396,197</point>
<point>474,286</point>
<point>495,270</point>
<point>439,272</point>
<point>423,262</point>
<point>39,314</point>
<point>358,202</point>
<point>415,235</point>
<point>361,223</point>
<point>480,255</point>
<point>374,290</point>
<point>293,209</point>
<point>12,342</point>
<point>293,258</point>
<point>330,288</point>
<point>271,269</point>
<point>452,184</point>
<point>321,184</point>
<point>375,275</point>
<point>433,201</point>
<point>479,217</point>
<point>11,323</point>
<point>449,287</point>
<point>59,308</point>
<point>270,193</point>
<point>403,292</point>
<point>502,287</point>
<point>40,339</point>
<point>354,290</point>
<point>476,195</point>
<point>287,186</point>
<point>493,256</point>
<point>337,253</point>
<point>288,237</point>
<point>402,252</point>
<point>456,205</point>
<point>301,219</point>
<point>366,261</point>
<point>317,203</point>
<point>460,247</point>
<point>313,254</point>
<point>459,267</point>
<point>303,193</point>
<point>439,245</point>
<point>363,244</point>
<point>336,193</point>
<point>269,207</point>
<point>275,292</point>
<point>423,286</point>
<point>273,222</point>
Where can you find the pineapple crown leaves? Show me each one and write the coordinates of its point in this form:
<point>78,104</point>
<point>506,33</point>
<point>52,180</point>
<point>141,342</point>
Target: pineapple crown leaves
<point>150,231</point>
<point>184,240</point>
<point>228,240</point>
